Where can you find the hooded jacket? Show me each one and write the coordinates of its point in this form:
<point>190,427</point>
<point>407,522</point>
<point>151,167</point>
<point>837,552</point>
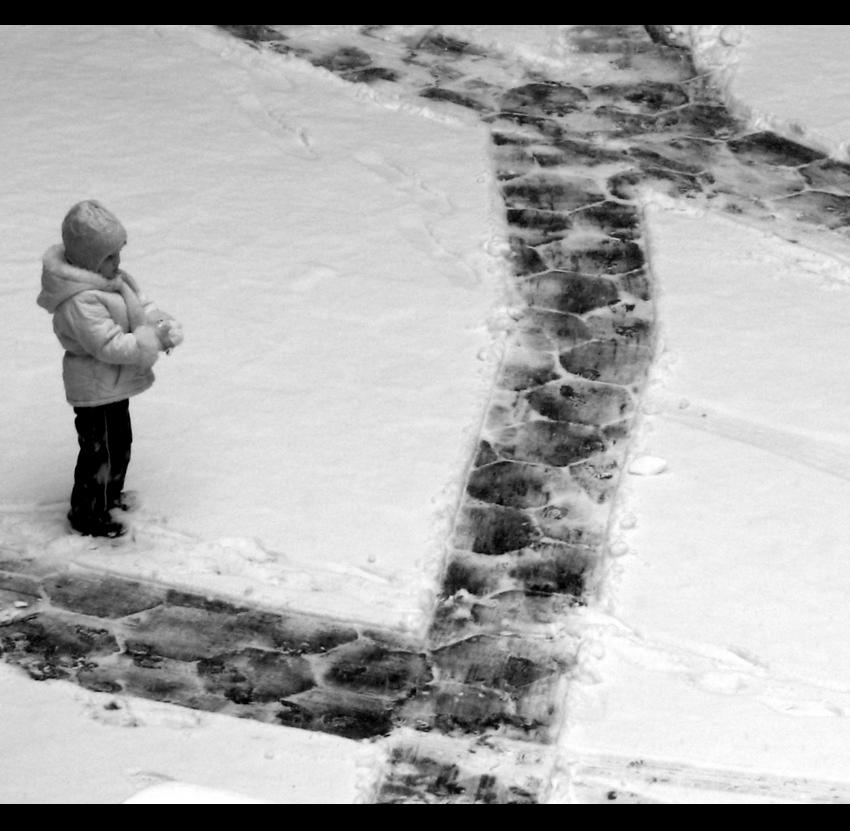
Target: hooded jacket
<point>105,328</point>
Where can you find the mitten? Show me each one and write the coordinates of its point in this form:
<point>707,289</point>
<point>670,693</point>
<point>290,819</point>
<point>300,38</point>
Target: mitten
<point>169,332</point>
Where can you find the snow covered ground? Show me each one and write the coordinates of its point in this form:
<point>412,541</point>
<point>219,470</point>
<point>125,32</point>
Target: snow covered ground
<point>329,254</point>
<point>721,640</point>
<point>357,354</point>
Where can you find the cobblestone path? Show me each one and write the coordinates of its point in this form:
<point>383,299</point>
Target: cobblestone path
<point>484,691</point>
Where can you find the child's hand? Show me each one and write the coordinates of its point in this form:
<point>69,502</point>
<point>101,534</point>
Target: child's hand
<point>170,333</point>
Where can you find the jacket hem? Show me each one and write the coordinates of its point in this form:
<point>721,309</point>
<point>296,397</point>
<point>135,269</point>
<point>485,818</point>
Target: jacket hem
<point>120,395</point>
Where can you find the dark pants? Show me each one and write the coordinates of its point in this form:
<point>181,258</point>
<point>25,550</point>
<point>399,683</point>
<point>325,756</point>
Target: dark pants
<point>105,436</point>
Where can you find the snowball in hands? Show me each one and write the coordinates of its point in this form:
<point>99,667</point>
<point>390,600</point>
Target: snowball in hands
<point>170,333</point>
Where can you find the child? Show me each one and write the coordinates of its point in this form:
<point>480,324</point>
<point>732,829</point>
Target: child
<point>112,336</point>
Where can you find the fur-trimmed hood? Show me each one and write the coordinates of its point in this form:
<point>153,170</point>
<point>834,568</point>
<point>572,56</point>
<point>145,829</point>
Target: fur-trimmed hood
<point>61,280</point>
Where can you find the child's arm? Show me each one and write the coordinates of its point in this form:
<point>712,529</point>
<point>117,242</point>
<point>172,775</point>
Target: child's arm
<point>94,329</point>
<point>168,330</point>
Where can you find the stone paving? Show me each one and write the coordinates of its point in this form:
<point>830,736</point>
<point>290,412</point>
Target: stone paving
<point>488,682</point>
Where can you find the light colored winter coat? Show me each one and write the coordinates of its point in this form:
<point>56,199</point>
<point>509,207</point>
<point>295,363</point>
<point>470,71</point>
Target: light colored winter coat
<point>104,326</point>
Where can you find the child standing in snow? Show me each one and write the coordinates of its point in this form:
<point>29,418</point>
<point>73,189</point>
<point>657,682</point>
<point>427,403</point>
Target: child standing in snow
<point>112,336</point>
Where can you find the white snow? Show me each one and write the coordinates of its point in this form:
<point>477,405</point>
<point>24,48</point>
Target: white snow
<point>647,466</point>
<point>182,793</point>
<point>723,626</point>
<point>334,261</point>
<point>333,254</point>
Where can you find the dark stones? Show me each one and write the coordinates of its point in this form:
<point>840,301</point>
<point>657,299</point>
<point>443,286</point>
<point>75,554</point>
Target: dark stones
<point>574,152</point>
<point>513,162</point>
<point>649,96</point>
<point>604,257</point>
<point>370,74</point>
<point>611,218</point>
<point>425,781</point>
<point>174,682</point>
<point>638,284</point>
<point>611,361</point>
<point>621,324</point>
<point>627,185</point>
<point>539,226</point>
<point>184,634</point>
<point>699,120</point>
<point>462,574</point>
<point>695,120</point>
<point>769,148</point>
<point>554,568</point>
<point>462,709</point>
<point>492,663</point>
<point>576,524</point>
<point>96,680</point>
<point>439,43</point>
<point>516,156</point>
<point>553,443</point>
<point>175,597</point>
<point>523,258</point>
<point>510,483</point>
<point>187,634</point>
<point>12,563</point>
<point>485,455</point>
<point>828,175</point>
<point>562,291</point>
<point>818,208</point>
<point>344,59</point>
<point>624,122</point>
<point>494,530</point>
<point>560,329</point>
<point>512,140</point>
<point>101,596</point>
<point>21,583</point>
<point>340,712</point>
<point>550,193</point>
<point>547,129</point>
<point>543,98</point>
<point>45,638</point>
<point>414,777</point>
<point>452,97</point>
<point>251,675</point>
<point>665,35</point>
<point>653,159</point>
<point>254,33</point>
<point>597,476</point>
<point>525,370</point>
<point>369,667</point>
<point>523,606</point>
<point>581,402</point>
<point>546,567</point>
<point>293,634</point>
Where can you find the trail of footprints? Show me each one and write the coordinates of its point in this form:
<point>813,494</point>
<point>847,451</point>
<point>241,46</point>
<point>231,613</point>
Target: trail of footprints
<point>488,682</point>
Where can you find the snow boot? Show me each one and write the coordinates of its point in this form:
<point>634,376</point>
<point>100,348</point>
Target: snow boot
<point>108,527</point>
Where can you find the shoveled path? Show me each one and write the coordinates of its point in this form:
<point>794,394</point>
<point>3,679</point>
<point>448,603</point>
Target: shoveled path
<point>473,712</point>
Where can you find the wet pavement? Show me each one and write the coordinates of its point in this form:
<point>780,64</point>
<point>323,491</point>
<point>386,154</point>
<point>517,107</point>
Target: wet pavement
<point>485,689</point>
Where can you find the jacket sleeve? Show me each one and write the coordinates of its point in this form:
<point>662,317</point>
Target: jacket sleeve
<point>88,321</point>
